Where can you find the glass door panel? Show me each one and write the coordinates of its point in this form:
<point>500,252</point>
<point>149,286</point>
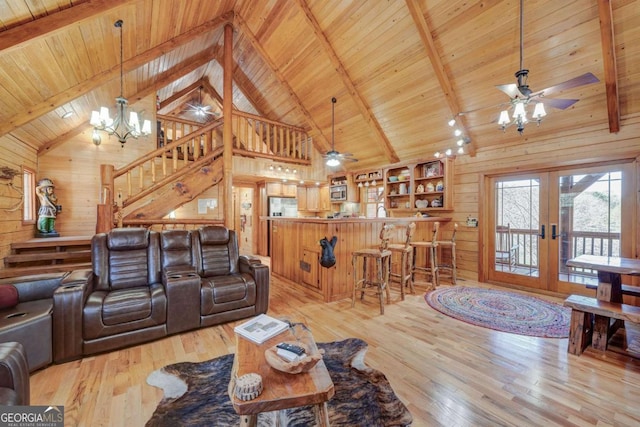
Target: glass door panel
<point>518,216</point>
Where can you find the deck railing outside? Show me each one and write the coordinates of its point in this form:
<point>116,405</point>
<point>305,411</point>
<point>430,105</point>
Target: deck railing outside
<point>580,242</point>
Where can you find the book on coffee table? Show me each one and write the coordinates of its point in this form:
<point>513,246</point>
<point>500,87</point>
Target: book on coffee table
<point>261,328</point>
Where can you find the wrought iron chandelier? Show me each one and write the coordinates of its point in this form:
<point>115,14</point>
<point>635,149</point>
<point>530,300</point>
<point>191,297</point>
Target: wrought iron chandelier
<point>118,126</point>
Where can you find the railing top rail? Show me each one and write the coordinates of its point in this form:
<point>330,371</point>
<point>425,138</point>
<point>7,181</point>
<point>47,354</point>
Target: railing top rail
<point>158,151</point>
<point>178,120</point>
<point>262,119</point>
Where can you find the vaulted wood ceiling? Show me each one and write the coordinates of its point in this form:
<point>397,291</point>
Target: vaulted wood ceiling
<point>399,69</point>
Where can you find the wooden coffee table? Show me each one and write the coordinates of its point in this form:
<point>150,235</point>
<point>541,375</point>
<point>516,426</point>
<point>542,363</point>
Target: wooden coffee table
<point>280,390</point>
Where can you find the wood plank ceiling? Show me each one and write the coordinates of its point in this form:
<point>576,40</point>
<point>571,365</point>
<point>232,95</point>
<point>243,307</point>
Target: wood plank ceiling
<point>399,69</point>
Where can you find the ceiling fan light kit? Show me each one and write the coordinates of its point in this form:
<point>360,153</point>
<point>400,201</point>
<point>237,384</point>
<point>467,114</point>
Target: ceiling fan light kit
<point>118,126</point>
<point>521,95</point>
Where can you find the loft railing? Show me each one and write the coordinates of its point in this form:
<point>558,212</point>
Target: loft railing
<point>259,137</point>
<point>184,145</point>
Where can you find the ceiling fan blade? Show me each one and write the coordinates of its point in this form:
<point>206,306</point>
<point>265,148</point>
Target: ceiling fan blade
<point>582,80</point>
<point>511,90</point>
<point>560,104</point>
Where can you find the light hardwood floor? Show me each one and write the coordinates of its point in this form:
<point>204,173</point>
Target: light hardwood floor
<point>447,372</point>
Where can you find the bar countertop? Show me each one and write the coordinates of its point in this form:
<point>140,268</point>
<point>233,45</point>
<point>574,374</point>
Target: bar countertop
<point>357,220</point>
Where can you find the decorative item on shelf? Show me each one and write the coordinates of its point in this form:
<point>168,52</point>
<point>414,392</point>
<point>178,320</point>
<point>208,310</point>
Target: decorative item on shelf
<point>422,204</point>
<point>393,179</point>
<point>439,186</point>
<point>403,188</point>
<point>118,126</point>
<point>432,169</point>
<point>393,192</point>
<point>436,203</point>
<point>430,187</point>
<point>420,189</point>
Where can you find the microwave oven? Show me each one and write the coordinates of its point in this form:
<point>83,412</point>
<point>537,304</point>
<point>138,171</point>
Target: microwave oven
<point>338,193</point>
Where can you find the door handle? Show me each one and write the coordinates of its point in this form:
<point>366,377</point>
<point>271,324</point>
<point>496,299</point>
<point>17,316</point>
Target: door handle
<point>554,229</point>
<point>542,234</point>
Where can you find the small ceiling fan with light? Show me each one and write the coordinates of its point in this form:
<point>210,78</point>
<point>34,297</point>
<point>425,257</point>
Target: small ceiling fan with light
<point>334,158</point>
<point>200,110</point>
<point>521,95</point>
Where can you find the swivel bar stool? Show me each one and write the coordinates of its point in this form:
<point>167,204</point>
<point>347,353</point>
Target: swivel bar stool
<point>430,268</point>
<point>375,279</point>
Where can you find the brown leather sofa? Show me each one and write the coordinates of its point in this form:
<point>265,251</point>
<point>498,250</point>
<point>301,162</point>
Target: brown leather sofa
<point>14,374</point>
<point>146,285</point>
<point>31,318</point>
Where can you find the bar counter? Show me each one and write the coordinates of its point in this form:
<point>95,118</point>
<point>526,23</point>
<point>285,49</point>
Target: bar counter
<point>295,248</point>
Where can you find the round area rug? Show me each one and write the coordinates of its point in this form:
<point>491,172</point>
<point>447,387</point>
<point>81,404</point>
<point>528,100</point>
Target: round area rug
<point>502,311</point>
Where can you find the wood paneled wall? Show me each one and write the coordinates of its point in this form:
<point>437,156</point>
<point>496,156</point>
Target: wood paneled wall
<point>15,155</point>
<point>588,145</point>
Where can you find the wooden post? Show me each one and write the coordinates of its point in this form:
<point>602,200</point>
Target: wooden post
<point>227,130</point>
<point>104,220</point>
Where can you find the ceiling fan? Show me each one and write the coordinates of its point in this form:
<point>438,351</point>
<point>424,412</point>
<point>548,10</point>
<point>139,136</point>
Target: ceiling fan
<point>334,158</point>
<point>200,110</point>
<point>521,95</point>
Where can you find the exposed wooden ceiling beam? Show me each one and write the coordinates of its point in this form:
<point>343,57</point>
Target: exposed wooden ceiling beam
<point>17,37</point>
<point>80,89</point>
<point>438,67</point>
<point>177,95</point>
<point>609,63</point>
<point>365,111</point>
<point>322,145</point>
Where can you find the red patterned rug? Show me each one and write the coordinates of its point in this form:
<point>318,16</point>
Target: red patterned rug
<point>502,310</point>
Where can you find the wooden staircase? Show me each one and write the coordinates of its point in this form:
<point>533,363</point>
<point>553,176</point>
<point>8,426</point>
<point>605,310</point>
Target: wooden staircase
<point>47,255</point>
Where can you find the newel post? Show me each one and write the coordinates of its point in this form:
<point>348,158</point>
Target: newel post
<point>104,221</point>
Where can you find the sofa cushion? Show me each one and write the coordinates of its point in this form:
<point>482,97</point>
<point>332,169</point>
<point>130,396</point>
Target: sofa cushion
<point>223,293</point>
<point>8,296</point>
<point>126,305</point>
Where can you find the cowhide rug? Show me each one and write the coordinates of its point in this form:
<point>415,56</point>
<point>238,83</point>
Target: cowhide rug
<point>363,396</point>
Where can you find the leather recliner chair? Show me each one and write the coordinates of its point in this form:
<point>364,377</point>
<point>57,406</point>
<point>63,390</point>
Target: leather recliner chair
<point>122,303</point>
<point>232,286</point>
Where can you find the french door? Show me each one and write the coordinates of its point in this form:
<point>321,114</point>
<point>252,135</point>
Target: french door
<point>537,221</point>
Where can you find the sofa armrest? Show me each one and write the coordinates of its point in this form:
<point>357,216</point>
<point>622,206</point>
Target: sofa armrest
<point>14,372</point>
<point>68,302</point>
<point>182,287</point>
<point>260,274</point>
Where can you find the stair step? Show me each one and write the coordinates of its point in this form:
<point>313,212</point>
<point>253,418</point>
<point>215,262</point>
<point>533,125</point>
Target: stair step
<point>41,269</point>
<point>83,255</point>
<point>48,242</point>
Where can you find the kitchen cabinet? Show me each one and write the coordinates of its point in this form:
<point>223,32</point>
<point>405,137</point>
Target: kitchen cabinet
<point>325,200</point>
<point>280,189</point>
<point>302,198</point>
<point>308,199</point>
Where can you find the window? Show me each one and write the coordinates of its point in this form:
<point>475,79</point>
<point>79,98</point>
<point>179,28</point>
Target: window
<point>28,187</point>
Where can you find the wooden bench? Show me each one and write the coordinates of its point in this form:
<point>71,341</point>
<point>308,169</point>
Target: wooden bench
<point>633,291</point>
<point>598,331</point>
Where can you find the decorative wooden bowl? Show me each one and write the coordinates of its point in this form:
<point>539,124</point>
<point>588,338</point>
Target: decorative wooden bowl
<point>296,367</point>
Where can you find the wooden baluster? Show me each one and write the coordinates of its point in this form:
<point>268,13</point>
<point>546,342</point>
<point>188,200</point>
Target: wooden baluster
<point>128,183</point>
<point>140,178</point>
<point>120,204</point>
<point>163,159</point>
<point>260,136</point>
<point>281,141</point>
<point>288,149</point>
<point>268,140</point>
<point>175,159</point>
<point>153,171</point>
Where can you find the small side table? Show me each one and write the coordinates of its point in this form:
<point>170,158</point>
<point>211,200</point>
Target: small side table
<point>280,390</point>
